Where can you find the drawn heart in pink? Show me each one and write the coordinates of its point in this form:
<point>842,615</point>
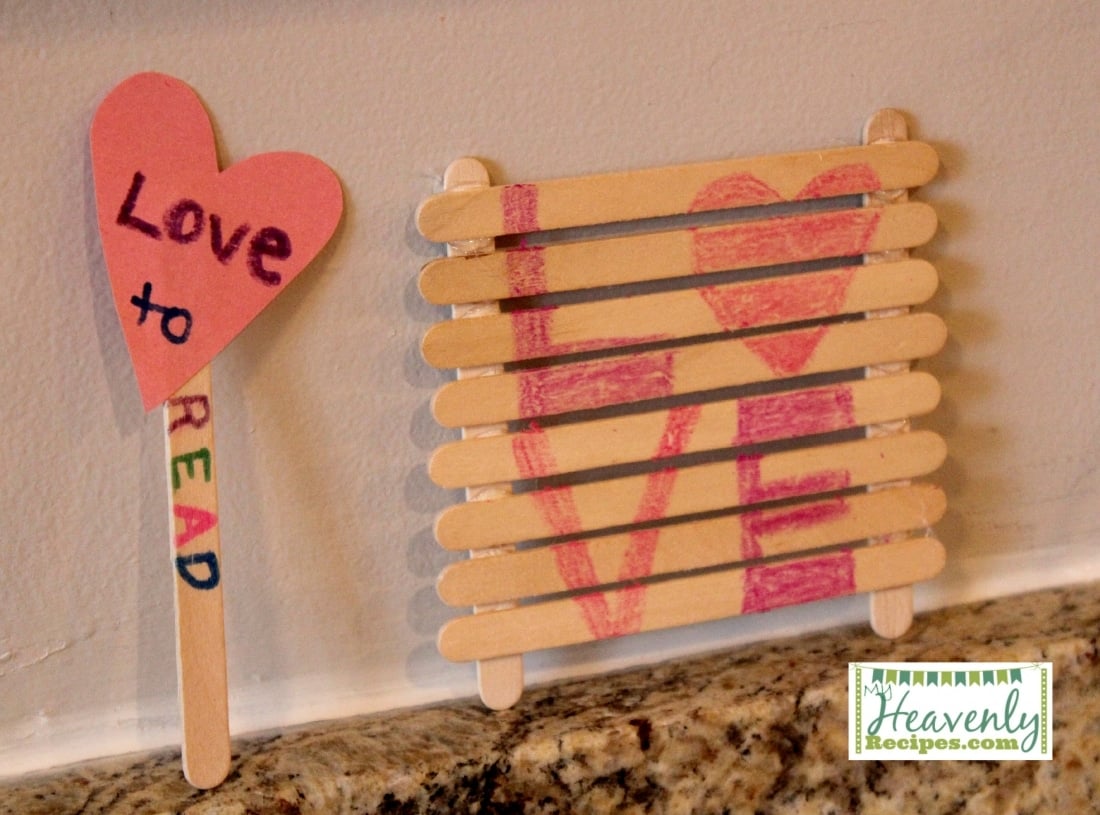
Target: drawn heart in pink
<point>194,254</point>
<point>756,243</point>
<point>745,189</point>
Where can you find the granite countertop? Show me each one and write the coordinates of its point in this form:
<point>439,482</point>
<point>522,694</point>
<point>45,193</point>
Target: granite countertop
<point>758,729</point>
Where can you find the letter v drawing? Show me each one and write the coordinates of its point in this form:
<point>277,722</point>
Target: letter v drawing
<point>574,559</point>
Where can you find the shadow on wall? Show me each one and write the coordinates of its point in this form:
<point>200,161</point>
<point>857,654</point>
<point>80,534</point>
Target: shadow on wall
<point>424,557</point>
<point>971,447</point>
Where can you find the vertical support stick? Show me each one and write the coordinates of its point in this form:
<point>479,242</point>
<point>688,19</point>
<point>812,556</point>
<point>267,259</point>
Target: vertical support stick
<point>891,610</point>
<point>500,680</point>
<point>196,556</point>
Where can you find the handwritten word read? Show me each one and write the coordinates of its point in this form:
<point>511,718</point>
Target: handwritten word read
<point>193,506</point>
<point>184,222</point>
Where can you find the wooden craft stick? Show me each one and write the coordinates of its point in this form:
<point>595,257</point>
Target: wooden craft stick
<point>579,386</point>
<point>891,610</point>
<point>196,555</point>
<point>534,270</point>
<point>499,679</point>
<point>638,437</point>
<point>694,545</point>
<point>655,192</point>
<point>686,600</point>
<point>193,254</point>
<point>574,510</point>
<point>542,332</point>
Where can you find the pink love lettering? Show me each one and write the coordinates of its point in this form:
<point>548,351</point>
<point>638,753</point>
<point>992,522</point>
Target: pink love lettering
<point>195,253</point>
<point>185,221</point>
<point>603,617</point>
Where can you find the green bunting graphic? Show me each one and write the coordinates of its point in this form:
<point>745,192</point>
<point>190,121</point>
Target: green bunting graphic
<point>893,676</point>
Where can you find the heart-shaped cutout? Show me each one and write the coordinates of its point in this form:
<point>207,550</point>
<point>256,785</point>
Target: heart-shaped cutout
<point>194,254</point>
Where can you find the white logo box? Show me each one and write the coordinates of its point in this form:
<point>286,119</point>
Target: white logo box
<point>949,710</point>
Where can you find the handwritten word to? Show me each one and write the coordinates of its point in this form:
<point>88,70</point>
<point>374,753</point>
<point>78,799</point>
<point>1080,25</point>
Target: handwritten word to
<point>196,521</point>
<point>168,313</point>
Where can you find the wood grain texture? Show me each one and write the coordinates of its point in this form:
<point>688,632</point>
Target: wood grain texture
<point>723,363</point>
<point>674,253</point>
<point>696,489</point>
<point>702,544</point>
<point>648,193</point>
<point>500,680</point>
<point>682,601</point>
<point>602,324</point>
<point>891,610</point>
<point>196,553</point>
<point>731,422</point>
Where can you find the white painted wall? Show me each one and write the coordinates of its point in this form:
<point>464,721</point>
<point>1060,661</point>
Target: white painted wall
<point>323,425</point>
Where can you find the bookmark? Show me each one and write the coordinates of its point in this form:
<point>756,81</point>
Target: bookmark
<point>194,254</point>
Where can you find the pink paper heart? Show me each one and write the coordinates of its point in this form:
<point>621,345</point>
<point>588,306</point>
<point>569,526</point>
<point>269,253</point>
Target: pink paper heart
<point>194,254</point>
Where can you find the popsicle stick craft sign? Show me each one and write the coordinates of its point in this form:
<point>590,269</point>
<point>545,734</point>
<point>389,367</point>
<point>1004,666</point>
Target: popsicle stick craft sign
<point>732,439</point>
<point>194,254</point>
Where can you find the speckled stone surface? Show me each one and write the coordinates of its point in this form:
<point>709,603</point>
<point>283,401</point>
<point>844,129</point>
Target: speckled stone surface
<point>759,729</point>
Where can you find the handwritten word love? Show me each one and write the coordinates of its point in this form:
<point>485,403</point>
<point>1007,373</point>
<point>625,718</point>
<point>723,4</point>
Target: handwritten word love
<point>185,220</point>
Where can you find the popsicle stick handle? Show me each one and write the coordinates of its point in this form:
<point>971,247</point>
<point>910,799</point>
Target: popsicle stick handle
<point>196,558</point>
<point>649,193</point>
<point>578,386</point>
<point>500,679</point>
<point>532,270</point>
<point>687,600</point>
<point>891,610</point>
<point>534,333</point>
